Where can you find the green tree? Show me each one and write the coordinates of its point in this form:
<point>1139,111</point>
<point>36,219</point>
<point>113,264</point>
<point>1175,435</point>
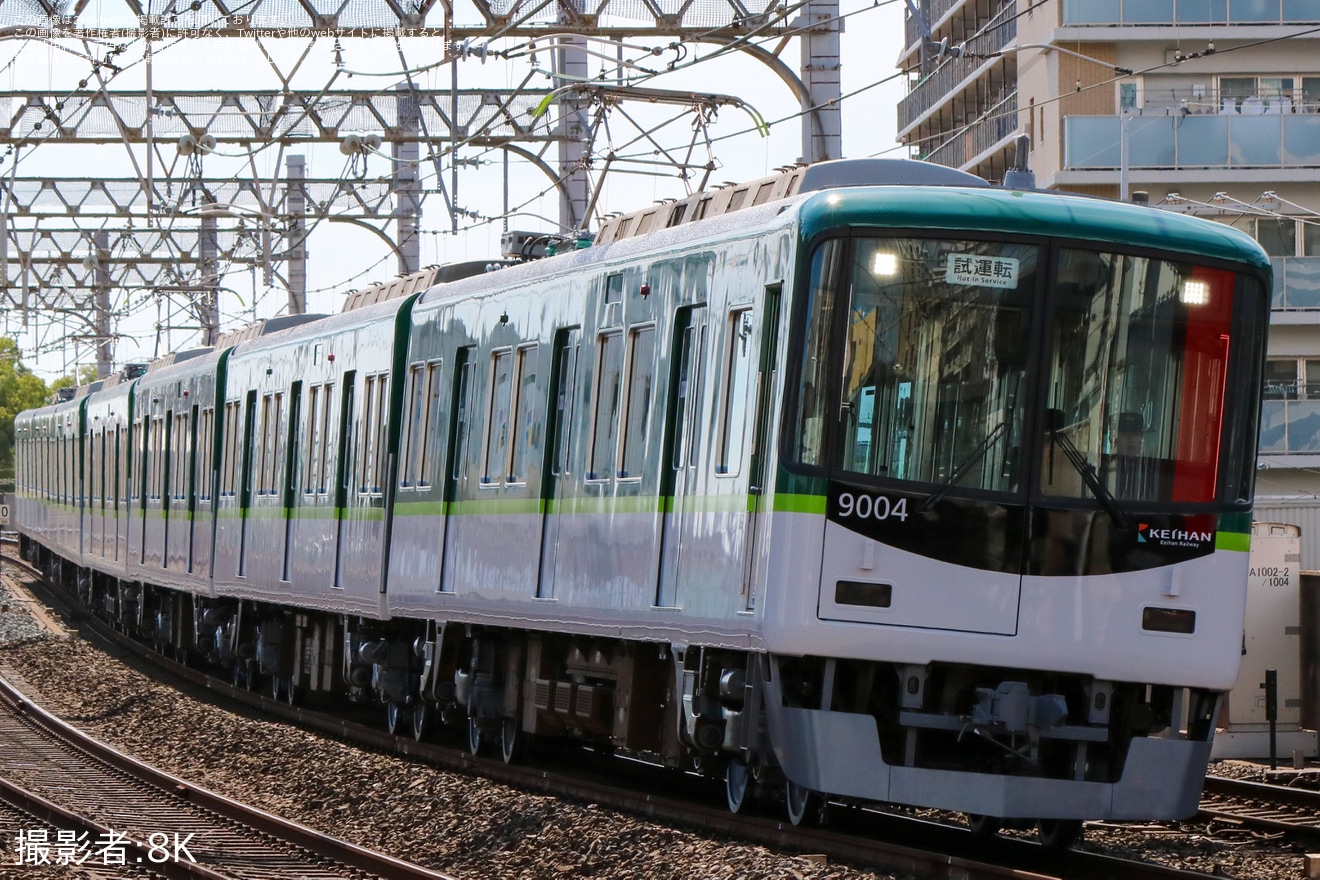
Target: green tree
<point>86,375</point>
<point>19,390</point>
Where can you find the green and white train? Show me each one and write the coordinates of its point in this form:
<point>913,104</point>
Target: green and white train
<point>869,481</point>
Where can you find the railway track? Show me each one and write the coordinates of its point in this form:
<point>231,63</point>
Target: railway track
<point>1271,808</point>
<point>856,835</point>
<point>114,810</point>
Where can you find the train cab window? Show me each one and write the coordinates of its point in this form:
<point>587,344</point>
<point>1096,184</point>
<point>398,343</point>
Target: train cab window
<point>641,401</point>
<point>527,415</point>
<point>933,358</point>
<point>609,394</point>
<point>1138,372</point>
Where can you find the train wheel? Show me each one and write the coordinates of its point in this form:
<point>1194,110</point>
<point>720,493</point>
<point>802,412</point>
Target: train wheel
<point>275,687</point>
<point>421,720</point>
<point>242,676</point>
<point>291,694</point>
<point>1059,833</point>
<point>803,804</point>
<point>476,739</point>
<point>396,717</point>
<point>737,785</point>
<point>985,826</point>
<point>511,741</point>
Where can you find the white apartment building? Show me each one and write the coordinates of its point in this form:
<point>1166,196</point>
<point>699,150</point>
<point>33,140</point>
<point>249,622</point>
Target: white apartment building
<point>1206,106</point>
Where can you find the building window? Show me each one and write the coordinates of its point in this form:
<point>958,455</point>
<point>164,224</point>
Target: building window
<point>1292,378</point>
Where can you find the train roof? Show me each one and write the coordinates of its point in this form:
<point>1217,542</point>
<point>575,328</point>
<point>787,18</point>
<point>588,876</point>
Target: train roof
<point>1038,212</point>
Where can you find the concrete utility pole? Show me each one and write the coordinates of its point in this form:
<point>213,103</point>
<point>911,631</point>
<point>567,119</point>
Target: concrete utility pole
<point>407,186</point>
<point>206,299</point>
<point>820,74</point>
<point>571,67</point>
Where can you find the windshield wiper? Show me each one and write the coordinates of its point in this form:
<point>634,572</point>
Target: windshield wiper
<point>1054,420</point>
<point>972,458</point>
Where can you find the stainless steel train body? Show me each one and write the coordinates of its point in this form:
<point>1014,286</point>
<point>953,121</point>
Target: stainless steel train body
<point>929,494</point>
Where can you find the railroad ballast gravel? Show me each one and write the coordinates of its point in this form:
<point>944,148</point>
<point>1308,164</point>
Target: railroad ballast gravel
<point>467,826</point>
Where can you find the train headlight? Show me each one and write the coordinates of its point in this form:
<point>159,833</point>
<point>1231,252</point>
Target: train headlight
<point>884,265</point>
<point>1195,293</point>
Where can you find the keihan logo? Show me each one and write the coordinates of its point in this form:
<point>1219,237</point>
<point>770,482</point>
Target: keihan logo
<point>1172,537</point>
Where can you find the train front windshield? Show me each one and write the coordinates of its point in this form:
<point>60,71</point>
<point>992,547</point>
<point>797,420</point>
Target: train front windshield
<point>948,345</point>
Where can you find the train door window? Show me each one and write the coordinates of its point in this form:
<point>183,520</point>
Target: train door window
<point>190,461</point>
<point>168,441</point>
<point>462,410</point>
<point>498,414</point>
<point>739,359</point>
<point>415,425</point>
<point>605,420</point>
<point>527,422</point>
<point>368,459</point>
<point>641,397</point>
<point>275,477</point>
<point>568,355</point>
<point>311,454</point>
<point>267,451</point>
<point>91,444</point>
<point>323,444</point>
<point>430,421</point>
<point>205,453</point>
<point>378,478</point>
<point>289,460</point>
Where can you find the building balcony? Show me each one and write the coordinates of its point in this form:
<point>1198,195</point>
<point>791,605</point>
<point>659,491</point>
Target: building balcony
<point>936,9</point>
<point>1189,12</point>
<point>1230,141</point>
<point>997,124</point>
<point>944,82</point>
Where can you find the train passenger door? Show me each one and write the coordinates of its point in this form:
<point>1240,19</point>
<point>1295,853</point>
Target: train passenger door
<point>456,457</point>
<point>344,470</point>
<point>563,375</point>
<point>289,489</point>
<point>245,494</point>
<point>680,484</point>
<point>759,469</point>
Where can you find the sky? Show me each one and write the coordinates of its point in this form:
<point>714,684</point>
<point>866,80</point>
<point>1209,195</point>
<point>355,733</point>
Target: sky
<point>341,257</point>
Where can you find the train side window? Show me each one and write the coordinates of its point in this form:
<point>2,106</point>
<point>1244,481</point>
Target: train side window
<point>737,381</point>
<point>605,420</point>
<point>641,396</point>
<point>527,409</point>
<point>277,444</point>
<point>311,459</point>
<point>495,458</point>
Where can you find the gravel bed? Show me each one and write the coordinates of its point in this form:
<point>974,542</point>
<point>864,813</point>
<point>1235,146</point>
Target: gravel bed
<point>15,621</point>
<point>464,826</point>
<point>475,828</point>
